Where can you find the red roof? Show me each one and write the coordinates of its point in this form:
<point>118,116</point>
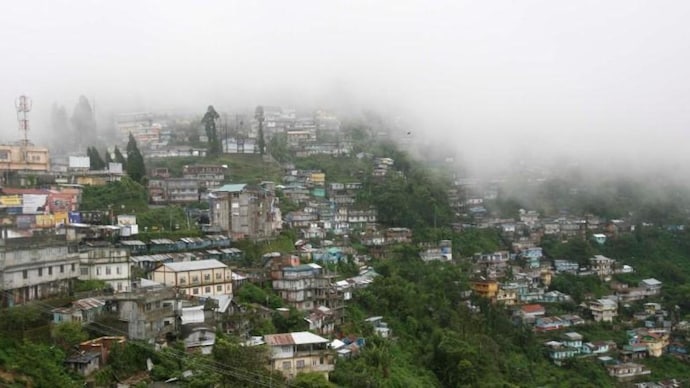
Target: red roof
<point>532,308</point>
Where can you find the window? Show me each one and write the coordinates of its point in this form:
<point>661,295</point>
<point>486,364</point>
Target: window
<point>219,288</point>
<point>84,271</point>
<point>118,270</point>
<point>119,286</point>
<point>196,291</point>
<point>50,270</point>
<point>207,277</point>
<point>195,279</point>
<point>287,365</point>
<point>183,280</point>
<point>218,276</point>
<point>25,274</point>
<point>73,267</point>
<point>299,364</point>
<point>62,268</point>
<point>40,272</point>
<point>207,290</point>
<point>98,271</point>
<point>107,270</point>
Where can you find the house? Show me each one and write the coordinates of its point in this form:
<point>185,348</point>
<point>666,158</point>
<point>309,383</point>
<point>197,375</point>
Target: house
<point>627,371</point>
<point>92,355</point>
<point>654,340</point>
<point>83,363</point>
<point>602,266</point>
<point>565,266</point>
<point>603,310</point>
<point>197,335</point>
<point>651,286</point>
<point>598,347</point>
<point>506,296</point>
<point>292,353</point>
<point>110,265</point>
<point>558,351</point>
<point>145,313</point>
<point>33,268</point>
<point>485,288</point>
<point>321,320</point>
<point>599,238</point>
<point>245,211</point>
<point>306,287</point>
<point>196,278</point>
<point>380,327</point>
<point>82,310</point>
<point>530,312</point>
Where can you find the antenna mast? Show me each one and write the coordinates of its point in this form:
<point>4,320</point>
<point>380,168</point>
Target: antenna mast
<point>23,105</point>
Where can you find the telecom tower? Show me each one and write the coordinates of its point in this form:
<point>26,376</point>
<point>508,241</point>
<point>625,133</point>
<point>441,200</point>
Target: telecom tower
<point>23,105</point>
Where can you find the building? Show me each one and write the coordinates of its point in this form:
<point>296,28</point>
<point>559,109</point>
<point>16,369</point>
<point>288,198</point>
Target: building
<point>35,268</point>
<point>292,353</point>
<point>110,265</point>
<point>627,371</point>
<point>196,278</point>
<point>207,175</point>
<point>82,311</point>
<point>245,211</point>
<point>603,310</point>
<point>485,288</point>
<point>146,313</point>
<point>18,158</point>
<point>602,266</point>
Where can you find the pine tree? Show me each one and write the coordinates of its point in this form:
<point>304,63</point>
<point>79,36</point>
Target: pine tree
<point>95,159</point>
<point>135,161</point>
<point>119,158</point>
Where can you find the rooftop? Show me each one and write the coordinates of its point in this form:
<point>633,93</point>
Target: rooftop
<point>297,338</point>
<point>194,265</point>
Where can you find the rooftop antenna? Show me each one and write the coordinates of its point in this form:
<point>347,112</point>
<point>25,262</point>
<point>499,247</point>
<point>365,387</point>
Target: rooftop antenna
<point>23,105</point>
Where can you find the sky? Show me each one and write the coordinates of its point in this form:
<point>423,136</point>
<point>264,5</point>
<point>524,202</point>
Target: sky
<point>493,80</point>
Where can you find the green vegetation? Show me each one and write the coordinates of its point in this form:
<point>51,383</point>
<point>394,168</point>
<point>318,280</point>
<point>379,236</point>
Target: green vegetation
<point>340,169</point>
<point>242,168</point>
<point>124,196</point>
<point>135,161</point>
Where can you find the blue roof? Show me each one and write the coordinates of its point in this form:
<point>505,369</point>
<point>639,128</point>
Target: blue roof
<point>232,188</point>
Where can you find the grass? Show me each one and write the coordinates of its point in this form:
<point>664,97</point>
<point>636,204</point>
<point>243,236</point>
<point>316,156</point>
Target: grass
<point>242,168</point>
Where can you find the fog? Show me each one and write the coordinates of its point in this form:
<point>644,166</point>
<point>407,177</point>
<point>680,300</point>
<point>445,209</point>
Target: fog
<point>494,81</point>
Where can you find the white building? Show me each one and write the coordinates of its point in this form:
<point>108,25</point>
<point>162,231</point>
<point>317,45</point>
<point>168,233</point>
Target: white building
<point>196,278</point>
<point>292,353</point>
<point>29,271</point>
<point>110,265</point>
<point>603,309</point>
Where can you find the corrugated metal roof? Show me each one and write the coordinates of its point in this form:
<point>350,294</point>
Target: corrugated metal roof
<point>297,338</point>
<point>231,188</point>
<point>195,265</point>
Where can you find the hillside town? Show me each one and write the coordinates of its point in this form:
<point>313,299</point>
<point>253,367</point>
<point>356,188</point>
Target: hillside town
<point>265,231</point>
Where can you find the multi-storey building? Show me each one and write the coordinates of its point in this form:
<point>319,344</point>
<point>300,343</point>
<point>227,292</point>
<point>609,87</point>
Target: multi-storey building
<point>603,309</point>
<point>207,175</point>
<point>16,158</point>
<point>602,266</point>
<point>196,278</point>
<point>108,264</point>
<point>245,211</point>
<point>292,353</point>
<point>35,268</point>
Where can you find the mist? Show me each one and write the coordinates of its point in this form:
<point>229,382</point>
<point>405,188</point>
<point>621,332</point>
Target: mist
<point>493,82</point>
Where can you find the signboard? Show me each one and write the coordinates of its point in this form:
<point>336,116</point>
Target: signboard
<point>34,203</point>
<point>80,162</point>
<point>10,200</point>
<point>115,168</point>
<point>74,217</point>
<point>25,221</point>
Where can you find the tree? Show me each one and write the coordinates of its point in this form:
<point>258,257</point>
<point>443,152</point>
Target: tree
<point>60,126</point>
<point>135,161</point>
<point>119,158</point>
<point>68,334</point>
<point>259,115</point>
<point>95,159</point>
<point>209,121</point>
<point>83,122</point>
<point>108,158</point>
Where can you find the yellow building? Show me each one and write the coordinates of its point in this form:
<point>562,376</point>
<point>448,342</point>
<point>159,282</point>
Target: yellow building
<point>24,158</point>
<point>196,278</point>
<point>318,178</point>
<point>292,353</point>
<point>485,288</point>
